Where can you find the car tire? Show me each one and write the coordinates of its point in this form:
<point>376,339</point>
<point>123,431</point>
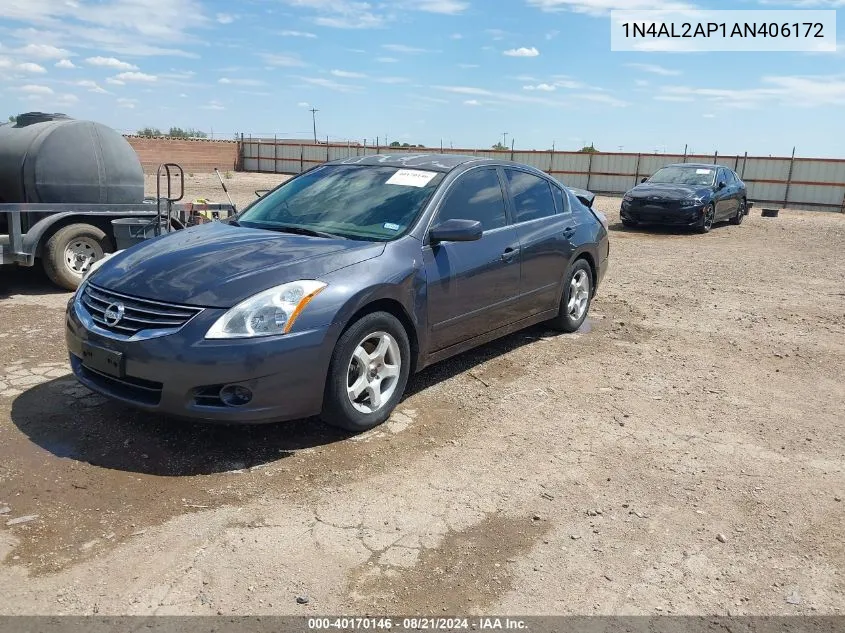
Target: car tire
<point>71,250</point>
<point>707,219</point>
<point>740,213</point>
<point>628,224</point>
<point>572,312</point>
<point>360,365</point>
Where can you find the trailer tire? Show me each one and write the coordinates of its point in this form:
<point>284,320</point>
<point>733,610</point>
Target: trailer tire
<point>71,250</point>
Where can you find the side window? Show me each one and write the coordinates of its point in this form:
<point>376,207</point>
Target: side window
<point>532,196</point>
<point>477,195</point>
<point>561,200</point>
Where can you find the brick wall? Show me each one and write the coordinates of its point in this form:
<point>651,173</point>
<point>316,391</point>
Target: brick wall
<point>192,155</point>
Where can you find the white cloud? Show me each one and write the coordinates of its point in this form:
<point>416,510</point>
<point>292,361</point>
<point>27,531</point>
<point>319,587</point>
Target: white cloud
<point>66,99</point>
<point>392,80</point>
<point>110,62</point>
<point>522,52</point>
<point>603,7</point>
<point>43,51</point>
<point>134,76</point>
<point>347,74</point>
<point>65,63</point>
<point>297,34</point>
<point>287,61</point>
<point>403,48</point>
<point>471,91</point>
<point>552,34</point>
<point>804,91</point>
<point>92,86</point>
<point>655,69</point>
<point>449,7</point>
<point>225,18</point>
<point>472,102</point>
<point>330,84</point>
<point>456,36</point>
<point>213,105</point>
<point>541,87</point>
<point>30,67</point>
<point>641,82</point>
<point>240,82</point>
<point>115,82</point>
<point>387,60</point>
<point>304,104</point>
<point>467,65</point>
<point>126,103</point>
<point>709,116</point>
<point>600,97</point>
<point>496,34</point>
<point>360,14</point>
<point>34,89</point>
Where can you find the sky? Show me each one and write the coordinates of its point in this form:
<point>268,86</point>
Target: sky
<point>467,73</point>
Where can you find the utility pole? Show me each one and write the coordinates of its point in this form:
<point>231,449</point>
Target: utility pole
<point>314,112</point>
<point>504,139</point>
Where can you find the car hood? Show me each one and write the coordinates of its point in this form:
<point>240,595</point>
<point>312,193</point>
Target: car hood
<point>218,265</point>
<point>668,191</point>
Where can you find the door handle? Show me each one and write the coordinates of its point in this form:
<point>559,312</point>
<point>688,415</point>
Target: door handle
<point>568,232</point>
<point>510,253</point>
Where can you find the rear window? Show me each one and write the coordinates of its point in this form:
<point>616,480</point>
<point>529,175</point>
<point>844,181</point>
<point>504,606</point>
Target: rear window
<point>365,202</point>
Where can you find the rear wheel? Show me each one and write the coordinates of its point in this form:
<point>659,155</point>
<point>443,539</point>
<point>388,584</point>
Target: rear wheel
<point>707,218</point>
<point>628,224</point>
<point>368,373</point>
<point>577,294</point>
<point>71,250</point>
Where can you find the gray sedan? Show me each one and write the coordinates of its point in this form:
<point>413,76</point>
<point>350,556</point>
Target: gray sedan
<point>324,295</point>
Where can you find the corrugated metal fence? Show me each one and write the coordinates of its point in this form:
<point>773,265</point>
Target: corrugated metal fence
<point>809,183</point>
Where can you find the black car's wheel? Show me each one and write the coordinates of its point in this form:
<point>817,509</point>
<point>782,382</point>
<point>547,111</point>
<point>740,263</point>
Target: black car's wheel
<point>707,218</point>
<point>577,294</point>
<point>740,213</point>
<point>628,224</point>
<point>368,373</point>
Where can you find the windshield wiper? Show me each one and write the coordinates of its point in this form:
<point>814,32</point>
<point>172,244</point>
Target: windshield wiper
<point>300,230</point>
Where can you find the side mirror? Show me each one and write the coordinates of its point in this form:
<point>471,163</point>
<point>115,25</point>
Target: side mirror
<point>644,179</point>
<point>456,231</point>
<point>721,185</point>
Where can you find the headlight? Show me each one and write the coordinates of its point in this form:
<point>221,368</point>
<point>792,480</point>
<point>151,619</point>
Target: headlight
<point>691,202</point>
<point>267,313</point>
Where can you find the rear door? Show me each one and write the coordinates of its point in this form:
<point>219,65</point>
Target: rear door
<point>723,196</point>
<point>545,225</point>
<point>473,286</point>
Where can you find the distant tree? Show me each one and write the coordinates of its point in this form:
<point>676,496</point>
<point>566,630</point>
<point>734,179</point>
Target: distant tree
<point>499,146</point>
<point>177,132</point>
<point>397,144</point>
<point>13,118</point>
<point>589,149</point>
<point>149,131</point>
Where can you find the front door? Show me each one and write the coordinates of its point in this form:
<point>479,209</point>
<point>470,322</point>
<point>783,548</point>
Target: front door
<point>472,286</point>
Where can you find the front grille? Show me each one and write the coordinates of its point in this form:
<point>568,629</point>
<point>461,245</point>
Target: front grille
<point>138,314</point>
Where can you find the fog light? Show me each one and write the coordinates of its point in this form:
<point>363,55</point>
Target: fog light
<point>235,395</point>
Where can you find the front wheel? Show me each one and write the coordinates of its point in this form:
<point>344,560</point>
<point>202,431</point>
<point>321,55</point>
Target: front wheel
<point>368,373</point>
<point>707,218</point>
<point>575,302</point>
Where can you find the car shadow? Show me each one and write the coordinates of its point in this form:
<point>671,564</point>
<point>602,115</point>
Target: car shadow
<point>26,280</point>
<point>69,421</point>
<point>660,229</point>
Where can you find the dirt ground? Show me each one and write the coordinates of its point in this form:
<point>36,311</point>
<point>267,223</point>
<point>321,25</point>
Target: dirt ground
<point>683,453</point>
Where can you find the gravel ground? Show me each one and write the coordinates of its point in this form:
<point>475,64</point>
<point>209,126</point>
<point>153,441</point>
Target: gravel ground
<point>682,453</point>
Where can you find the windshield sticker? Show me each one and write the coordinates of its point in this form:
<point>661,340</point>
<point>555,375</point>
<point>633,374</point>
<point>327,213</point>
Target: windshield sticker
<point>704,171</point>
<point>411,177</point>
<point>392,227</point>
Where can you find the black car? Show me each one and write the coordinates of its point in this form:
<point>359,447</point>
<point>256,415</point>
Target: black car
<point>686,194</point>
<point>327,293</point>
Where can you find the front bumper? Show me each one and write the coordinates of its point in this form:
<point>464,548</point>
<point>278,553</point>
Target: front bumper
<point>181,374</point>
<point>652,214</point>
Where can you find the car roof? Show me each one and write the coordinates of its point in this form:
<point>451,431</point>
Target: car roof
<point>708,165</point>
<point>432,162</point>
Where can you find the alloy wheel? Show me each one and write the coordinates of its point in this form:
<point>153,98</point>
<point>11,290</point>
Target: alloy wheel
<point>373,372</point>
<point>579,295</point>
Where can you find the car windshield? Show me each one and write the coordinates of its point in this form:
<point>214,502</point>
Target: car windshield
<point>684,175</point>
<point>364,202</point>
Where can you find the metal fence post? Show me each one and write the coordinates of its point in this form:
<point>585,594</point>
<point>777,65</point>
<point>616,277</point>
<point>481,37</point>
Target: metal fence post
<point>327,148</point>
<point>716,157</point>
<point>589,170</point>
<point>685,151</point>
<point>789,179</point>
<point>258,153</point>
<point>512,149</point>
<point>275,154</point>
<point>301,158</point>
<point>744,161</point>
<point>637,173</point>
<point>736,162</point>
